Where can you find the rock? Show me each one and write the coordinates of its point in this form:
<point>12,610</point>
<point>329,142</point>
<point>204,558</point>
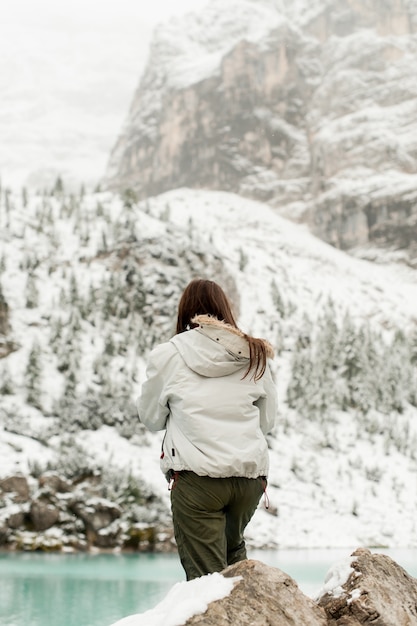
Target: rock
<point>378,591</point>
<point>16,520</point>
<point>96,513</point>
<point>375,590</point>
<point>55,483</point>
<point>265,595</point>
<point>106,537</point>
<point>6,347</point>
<point>141,538</point>
<point>43,515</point>
<point>221,131</point>
<point>17,485</point>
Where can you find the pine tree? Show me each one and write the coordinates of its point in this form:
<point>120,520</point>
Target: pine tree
<point>56,328</point>
<point>104,245</point>
<point>71,374</point>
<point>32,294</point>
<point>366,383</point>
<point>277,299</point>
<point>7,201</point>
<point>73,290</point>
<point>243,260</point>
<point>301,371</point>
<point>138,301</point>
<point>328,337</point>
<point>110,346</point>
<point>413,346</point>
<point>6,384</point>
<point>33,377</point>
<point>24,197</point>
<point>74,324</point>
<point>129,198</point>
<point>397,373</point>
<point>59,186</point>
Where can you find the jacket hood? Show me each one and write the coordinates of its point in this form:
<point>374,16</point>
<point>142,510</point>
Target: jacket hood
<point>214,348</point>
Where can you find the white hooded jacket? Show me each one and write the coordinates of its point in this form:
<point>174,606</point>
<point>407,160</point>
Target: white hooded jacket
<point>215,420</point>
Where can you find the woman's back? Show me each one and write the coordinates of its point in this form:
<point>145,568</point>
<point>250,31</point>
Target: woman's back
<point>218,417</point>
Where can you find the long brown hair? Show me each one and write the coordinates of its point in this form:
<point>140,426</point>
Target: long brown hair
<point>205,297</point>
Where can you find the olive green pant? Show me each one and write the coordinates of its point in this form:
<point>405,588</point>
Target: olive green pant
<point>210,515</point>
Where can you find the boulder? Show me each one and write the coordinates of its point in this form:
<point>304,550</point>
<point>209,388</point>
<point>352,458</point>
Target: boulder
<point>106,537</point>
<point>17,485</point>
<point>43,515</point>
<point>97,513</point>
<point>7,346</point>
<point>365,589</point>
<point>16,520</point>
<point>264,595</point>
<point>378,591</point>
<point>54,483</point>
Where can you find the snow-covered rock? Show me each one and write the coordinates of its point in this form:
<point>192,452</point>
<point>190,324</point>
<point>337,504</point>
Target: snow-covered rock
<point>374,589</point>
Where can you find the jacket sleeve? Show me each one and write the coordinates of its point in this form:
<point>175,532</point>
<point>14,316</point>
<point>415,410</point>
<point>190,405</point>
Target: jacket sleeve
<point>152,404</point>
<point>268,403</point>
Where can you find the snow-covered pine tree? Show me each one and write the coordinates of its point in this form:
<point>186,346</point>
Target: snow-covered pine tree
<point>32,293</point>
<point>277,299</point>
<point>33,377</point>
<point>6,384</point>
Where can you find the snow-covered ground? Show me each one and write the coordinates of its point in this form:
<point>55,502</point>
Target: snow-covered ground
<point>335,482</point>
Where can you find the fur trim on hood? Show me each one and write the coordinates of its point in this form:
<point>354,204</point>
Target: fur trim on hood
<point>213,322</point>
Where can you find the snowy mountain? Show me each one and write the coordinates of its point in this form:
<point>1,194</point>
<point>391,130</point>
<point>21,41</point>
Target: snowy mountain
<point>89,283</point>
<point>310,106</point>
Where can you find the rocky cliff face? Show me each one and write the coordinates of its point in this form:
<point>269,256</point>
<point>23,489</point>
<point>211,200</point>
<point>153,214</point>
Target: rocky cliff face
<point>309,106</point>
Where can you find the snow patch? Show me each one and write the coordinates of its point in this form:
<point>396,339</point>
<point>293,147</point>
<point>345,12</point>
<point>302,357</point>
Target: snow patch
<point>336,577</point>
<point>184,600</point>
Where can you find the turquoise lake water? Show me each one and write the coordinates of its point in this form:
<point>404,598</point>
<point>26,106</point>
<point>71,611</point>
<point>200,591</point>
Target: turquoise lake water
<point>97,590</point>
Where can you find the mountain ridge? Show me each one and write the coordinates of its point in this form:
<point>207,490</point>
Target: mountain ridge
<point>310,108</point>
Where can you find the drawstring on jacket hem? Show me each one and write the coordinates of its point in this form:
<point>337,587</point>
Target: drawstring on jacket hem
<point>172,478</point>
<point>266,497</point>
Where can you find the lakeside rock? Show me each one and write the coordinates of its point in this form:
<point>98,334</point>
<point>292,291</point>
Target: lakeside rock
<point>264,595</point>
<point>54,513</point>
<point>16,487</point>
<point>377,591</point>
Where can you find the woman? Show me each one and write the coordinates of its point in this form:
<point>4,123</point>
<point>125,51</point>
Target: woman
<point>211,388</point>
